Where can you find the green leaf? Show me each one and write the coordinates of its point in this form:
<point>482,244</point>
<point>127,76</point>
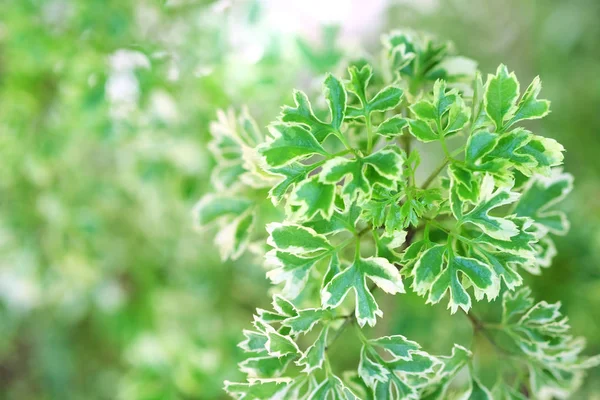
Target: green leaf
<point>458,117</point>
<point>451,366</point>
<point>478,391</point>
<point>529,106</point>
<point>233,237</point>
<point>306,320</point>
<point>332,388</point>
<point>255,342</point>
<point>397,345</point>
<point>278,345</point>
<point>359,81</point>
<point>434,275</point>
<point>496,227</point>
<point>540,196</point>
<point>302,113</point>
<point>266,366</point>
<point>466,183</point>
<point>257,388</point>
<point>212,207</point>
<point>386,99</point>
<point>352,171</point>
<point>528,153</point>
<point>501,93</point>
<point>310,198</point>
<point>291,269</point>
<point>377,269</point>
<point>422,131</point>
<point>370,371</point>
<point>290,143</point>
<point>336,98</point>
<point>540,337</point>
<point>418,363</point>
<point>387,167</point>
<point>479,144</point>
<point>392,127</point>
<point>296,239</point>
<point>314,357</point>
<point>292,173</point>
<point>504,265</point>
<point>424,110</point>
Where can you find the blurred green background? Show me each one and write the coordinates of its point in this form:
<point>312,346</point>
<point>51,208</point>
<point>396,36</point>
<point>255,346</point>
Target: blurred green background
<point>106,291</point>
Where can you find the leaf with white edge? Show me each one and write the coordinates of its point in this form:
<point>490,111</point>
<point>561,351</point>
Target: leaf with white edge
<point>332,388</point>
<point>278,345</point>
<point>397,345</point>
<point>290,143</point>
<point>296,239</point>
<point>451,366</point>
<point>266,366</point>
<point>456,204</point>
<point>233,238</point>
<point>428,268</point>
<point>212,207</point>
<point>291,269</point>
<point>371,371</point>
<point>336,98</point>
<point>306,319</point>
<point>314,357</point>
<point>501,93</point>
<point>387,242</point>
<point>458,117</point>
<point>502,391</point>
<point>541,337</point>
<point>386,99</point>
<point>392,127</point>
<point>529,106</point>
<point>359,81</point>
<point>302,113</point>
<point>467,184</point>
<point>522,244</point>
<point>255,341</point>
<point>442,99</point>
<point>422,131</point>
<point>437,272</point>
<point>377,269</point>
<point>478,145</point>
<point>386,164</point>
<point>292,174</point>
<point>356,185</point>
<point>310,198</point>
<point>528,153</point>
<point>504,265</point>
<point>424,110</point>
<point>418,363</point>
<point>496,227</point>
<point>258,389</point>
<point>540,195</point>
<point>395,388</point>
<point>478,392</point>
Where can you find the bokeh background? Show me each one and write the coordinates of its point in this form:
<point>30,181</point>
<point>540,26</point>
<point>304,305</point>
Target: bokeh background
<point>106,291</point>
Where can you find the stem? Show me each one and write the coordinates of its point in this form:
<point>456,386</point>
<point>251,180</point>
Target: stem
<point>479,326</point>
<point>369,132</point>
<point>435,173</point>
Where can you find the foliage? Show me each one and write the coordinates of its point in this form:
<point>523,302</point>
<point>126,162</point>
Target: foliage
<point>356,220</point>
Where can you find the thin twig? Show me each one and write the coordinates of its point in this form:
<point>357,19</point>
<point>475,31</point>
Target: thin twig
<point>479,326</point>
<point>434,174</point>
